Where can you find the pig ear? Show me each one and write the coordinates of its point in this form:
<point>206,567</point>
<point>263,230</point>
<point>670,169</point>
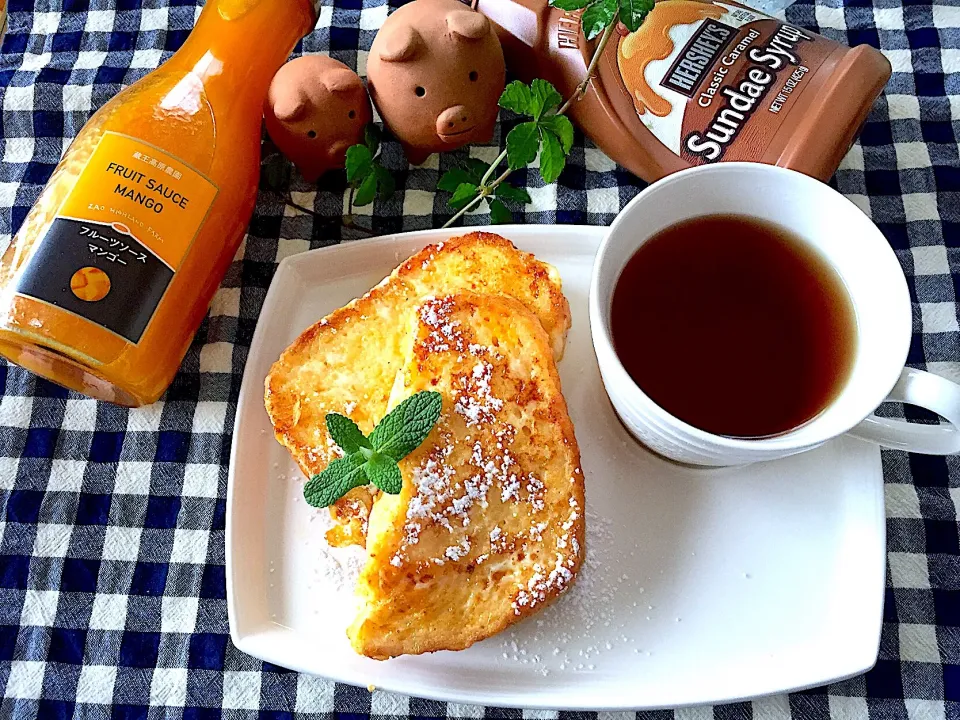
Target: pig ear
<point>340,80</point>
<point>401,43</point>
<point>468,24</point>
<point>290,106</point>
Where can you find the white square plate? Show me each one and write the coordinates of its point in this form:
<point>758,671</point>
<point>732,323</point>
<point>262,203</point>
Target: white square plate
<point>700,586</point>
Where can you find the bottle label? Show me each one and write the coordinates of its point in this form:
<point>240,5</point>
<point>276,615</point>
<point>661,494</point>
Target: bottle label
<point>119,236</point>
<point>714,81</point>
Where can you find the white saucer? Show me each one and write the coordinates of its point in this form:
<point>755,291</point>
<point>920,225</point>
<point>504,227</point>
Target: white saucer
<point>700,586</point>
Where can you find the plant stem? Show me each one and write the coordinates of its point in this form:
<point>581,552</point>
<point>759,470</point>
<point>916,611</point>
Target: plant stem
<point>493,166</point>
<point>597,53</point>
<point>484,190</point>
<point>301,208</point>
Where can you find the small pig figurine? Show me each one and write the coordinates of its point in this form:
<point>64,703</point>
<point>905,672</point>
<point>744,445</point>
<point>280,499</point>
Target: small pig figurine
<point>316,108</point>
<point>435,73</point>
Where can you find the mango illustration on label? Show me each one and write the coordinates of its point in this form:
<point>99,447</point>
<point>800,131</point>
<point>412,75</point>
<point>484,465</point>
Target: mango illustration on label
<point>119,236</point>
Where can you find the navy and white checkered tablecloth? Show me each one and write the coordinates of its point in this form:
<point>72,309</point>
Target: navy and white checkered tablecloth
<point>112,593</point>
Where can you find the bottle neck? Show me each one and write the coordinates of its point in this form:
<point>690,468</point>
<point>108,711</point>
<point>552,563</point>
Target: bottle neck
<point>237,47</point>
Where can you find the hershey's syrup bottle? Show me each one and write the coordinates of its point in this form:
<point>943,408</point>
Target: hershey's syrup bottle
<point>700,82</point>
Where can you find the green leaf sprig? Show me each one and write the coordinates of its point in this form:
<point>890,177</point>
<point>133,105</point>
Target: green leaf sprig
<point>374,459</point>
<point>366,176</point>
<point>547,133</point>
<point>464,184</point>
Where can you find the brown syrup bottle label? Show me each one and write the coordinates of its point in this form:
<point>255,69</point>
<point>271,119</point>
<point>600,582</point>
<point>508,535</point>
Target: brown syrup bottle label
<point>713,81</point>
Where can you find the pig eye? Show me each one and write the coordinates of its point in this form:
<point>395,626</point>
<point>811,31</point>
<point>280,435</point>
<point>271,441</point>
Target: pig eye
<point>352,114</point>
<point>311,134</point>
<point>420,91</point>
<point>473,76</point>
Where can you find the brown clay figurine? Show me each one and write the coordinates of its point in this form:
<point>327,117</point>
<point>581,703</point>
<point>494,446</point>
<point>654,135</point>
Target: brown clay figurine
<point>316,108</point>
<point>435,73</point>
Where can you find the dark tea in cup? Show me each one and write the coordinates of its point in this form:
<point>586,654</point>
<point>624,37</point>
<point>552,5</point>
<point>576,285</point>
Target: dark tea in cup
<point>734,325</point>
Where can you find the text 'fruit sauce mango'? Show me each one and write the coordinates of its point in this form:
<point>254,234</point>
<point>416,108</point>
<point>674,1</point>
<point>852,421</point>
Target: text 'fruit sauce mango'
<point>701,81</point>
<point>106,282</point>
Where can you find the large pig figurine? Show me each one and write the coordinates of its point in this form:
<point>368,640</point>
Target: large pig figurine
<point>435,73</point>
<point>316,108</point>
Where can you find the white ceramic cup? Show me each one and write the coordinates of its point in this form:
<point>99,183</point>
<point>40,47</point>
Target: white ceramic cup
<point>853,245</point>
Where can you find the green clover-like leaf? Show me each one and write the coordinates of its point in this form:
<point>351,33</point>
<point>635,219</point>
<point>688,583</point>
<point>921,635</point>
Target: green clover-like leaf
<point>634,12</point>
<point>569,4</point>
<point>560,126</point>
<point>499,213</point>
<point>464,193</point>
<point>371,138</point>
<point>506,191</point>
<point>523,142</point>
<point>552,157</point>
<point>518,97</point>
<point>454,178</point>
<point>386,185</point>
<point>598,16</point>
<point>367,190</point>
<point>359,164</point>
<point>544,97</point>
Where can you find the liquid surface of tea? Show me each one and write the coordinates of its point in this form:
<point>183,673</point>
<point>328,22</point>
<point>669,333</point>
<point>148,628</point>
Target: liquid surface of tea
<point>734,326</point>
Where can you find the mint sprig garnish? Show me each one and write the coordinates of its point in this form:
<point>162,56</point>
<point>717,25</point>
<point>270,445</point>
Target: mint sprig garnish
<point>374,459</point>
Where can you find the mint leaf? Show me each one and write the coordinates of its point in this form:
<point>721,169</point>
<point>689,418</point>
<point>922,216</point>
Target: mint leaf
<point>596,17</point>
<point>407,425</point>
<point>340,477</point>
<point>544,97</point>
<point>359,163</point>
<point>517,97</point>
<point>506,191</point>
<point>552,157</point>
<point>386,185</point>
<point>371,138</point>
<point>454,178</point>
<point>634,12</point>
<point>499,213</point>
<point>522,145</point>
<point>464,193</point>
<point>384,472</point>
<point>560,126</point>
<point>368,188</point>
<point>569,4</point>
<point>345,433</point>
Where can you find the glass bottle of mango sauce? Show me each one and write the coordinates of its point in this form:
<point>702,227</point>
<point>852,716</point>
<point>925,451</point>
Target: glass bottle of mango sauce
<point>106,282</point>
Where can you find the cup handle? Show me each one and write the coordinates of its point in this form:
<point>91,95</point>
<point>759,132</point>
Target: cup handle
<point>926,390</point>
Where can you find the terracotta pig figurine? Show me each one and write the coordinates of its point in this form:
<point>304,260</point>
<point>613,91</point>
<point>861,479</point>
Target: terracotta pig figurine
<point>316,108</point>
<point>435,73</point>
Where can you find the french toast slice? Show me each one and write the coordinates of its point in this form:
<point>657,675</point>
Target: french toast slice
<point>489,525</point>
<point>347,362</point>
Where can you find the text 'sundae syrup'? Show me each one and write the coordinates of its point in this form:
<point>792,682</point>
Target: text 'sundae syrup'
<point>112,271</point>
<point>700,82</point>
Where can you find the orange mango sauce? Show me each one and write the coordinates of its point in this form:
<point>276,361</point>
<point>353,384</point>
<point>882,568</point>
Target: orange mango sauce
<point>203,107</point>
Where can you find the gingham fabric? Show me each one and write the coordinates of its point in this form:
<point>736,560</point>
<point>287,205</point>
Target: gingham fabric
<point>112,595</point>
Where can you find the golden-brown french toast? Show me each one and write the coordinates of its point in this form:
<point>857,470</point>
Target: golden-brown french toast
<point>347,362</point>
<point>488,527</point>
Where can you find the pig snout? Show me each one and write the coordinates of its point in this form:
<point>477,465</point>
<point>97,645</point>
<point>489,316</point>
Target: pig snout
<point>454,120</point>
